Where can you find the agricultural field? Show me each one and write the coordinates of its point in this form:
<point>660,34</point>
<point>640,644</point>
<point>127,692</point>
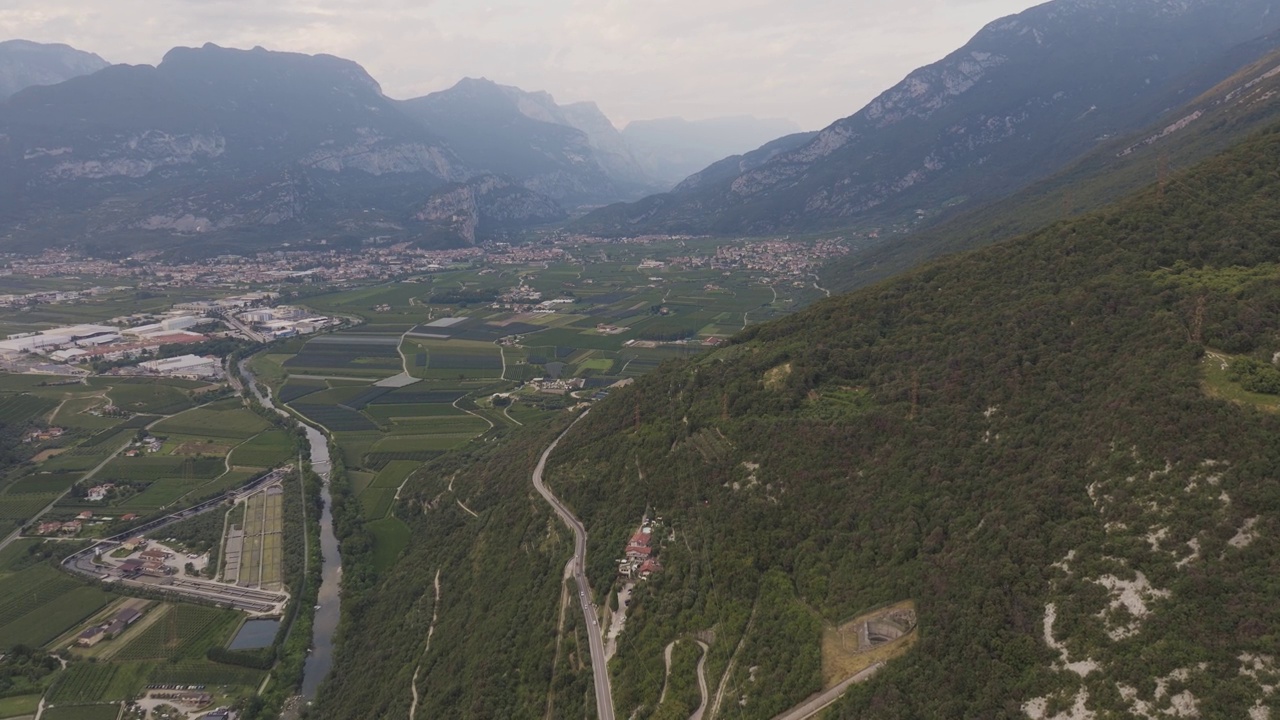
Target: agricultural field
<point>205,672</point>
<point>20,409</point>
<point>618,315</point>
<point>19,705</point>
<point>348,355</point>
<point>152,397</point>
<point>262,552</point>
<point>83,712</point>
<point>461,359</point>
<point>25,593</point>
<point>83,683</point>
<point>375,502</point>
<point>390,537</point>
<point>234,423</point>
<point>181,632</point>
<point>42,625</point>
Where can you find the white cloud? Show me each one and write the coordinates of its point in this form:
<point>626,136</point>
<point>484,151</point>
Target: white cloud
<point>809,60</point>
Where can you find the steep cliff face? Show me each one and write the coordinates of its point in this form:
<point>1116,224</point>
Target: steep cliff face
<point>484,205</point>
<point>212,139</point>
<point>24,63</point>
<point>570,153</point>
<point>735,165</point>
<point>1026,95</point>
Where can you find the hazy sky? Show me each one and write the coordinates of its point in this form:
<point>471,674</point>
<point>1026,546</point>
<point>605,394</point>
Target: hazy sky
<point>812,61</point>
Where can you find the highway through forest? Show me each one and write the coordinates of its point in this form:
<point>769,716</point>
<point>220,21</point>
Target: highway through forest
<point>599,668</point>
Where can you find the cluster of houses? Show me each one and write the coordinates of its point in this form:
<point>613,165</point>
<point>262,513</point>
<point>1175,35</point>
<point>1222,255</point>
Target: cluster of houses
<point>151,561</point>
<point>70,527</point>
<point>43,434</point>
<point>98,493</point>
<point>149,444</point>
<point>638,559</point>
<point>109,629</point>
<point>73,527</point>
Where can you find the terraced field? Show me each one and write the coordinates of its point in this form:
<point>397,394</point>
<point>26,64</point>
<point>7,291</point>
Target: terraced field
<point>262,554</point>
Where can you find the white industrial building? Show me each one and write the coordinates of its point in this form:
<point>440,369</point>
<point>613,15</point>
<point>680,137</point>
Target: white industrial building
<point>59,339</point>
<point>188,366</point>
<point>165,326</point>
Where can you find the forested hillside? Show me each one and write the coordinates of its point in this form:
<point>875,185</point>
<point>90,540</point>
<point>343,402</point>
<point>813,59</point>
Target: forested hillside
<point>499,577</point>
<point>1053,446</point>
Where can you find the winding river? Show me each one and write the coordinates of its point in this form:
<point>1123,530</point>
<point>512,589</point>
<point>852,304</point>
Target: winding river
<point>320,661</point>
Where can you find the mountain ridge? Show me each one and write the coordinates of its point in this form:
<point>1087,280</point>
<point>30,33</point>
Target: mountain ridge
<point>1027,94</point>
<point>24,63</point>
<point>1020,439</point>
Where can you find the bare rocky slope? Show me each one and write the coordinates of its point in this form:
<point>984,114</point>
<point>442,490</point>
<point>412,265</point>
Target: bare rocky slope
<point>1028,94</point>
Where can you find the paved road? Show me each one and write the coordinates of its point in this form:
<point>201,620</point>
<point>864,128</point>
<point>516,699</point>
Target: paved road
<point>702,683</point>
<point>230,317</point>
<point>599,668</point>
<point>811,706</point>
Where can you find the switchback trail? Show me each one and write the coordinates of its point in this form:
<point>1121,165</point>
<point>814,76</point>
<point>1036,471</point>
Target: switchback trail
<point>435,614</point>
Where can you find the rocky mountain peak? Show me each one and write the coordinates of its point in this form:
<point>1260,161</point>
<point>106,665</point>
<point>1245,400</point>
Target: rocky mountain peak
<point>24,63</point>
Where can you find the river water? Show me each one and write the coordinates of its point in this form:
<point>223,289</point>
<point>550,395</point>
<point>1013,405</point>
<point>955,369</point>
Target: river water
<point>320,660</point>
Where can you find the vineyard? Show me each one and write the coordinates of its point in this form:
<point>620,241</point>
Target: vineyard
<point>21,409</point>
<point>31,588</point>
<point>83,683</point>
<point>335,417</point>
<point>267,450</point>
<point>46,622</point>
<point>82,712</point>
<point>185,631</point>
<point>22,507</point>
<point>205,672</point>
<point>165,466</point>
<point>235,424</point>
<point>44,483</point>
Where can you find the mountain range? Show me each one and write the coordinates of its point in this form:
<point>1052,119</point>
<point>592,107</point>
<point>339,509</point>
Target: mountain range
<point>249,147</point>
<point>24,63</point>
<point>1026,96</point>
<point>672,149</point>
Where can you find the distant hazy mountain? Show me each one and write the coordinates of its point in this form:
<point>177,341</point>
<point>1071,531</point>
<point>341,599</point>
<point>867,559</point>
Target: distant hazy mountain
<point>24,63</point>
<point>213,139</point>
<point>735,165</point>
<point>671,149</point>
<point>1026,96</point>
<point>1245,103</point>
<point>486,205</point>
<point>572,153</point>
